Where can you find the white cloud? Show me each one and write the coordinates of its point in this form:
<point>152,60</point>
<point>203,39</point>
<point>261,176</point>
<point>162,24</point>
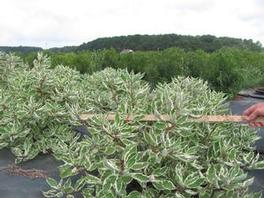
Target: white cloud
<point>49,23</point>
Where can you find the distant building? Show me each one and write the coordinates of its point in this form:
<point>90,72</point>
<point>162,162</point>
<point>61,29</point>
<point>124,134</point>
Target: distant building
<point>126,51</point>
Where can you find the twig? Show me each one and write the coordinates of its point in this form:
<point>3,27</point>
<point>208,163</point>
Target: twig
<point>31,173</point>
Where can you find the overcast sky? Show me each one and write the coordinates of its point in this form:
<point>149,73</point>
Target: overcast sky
<point>50,23</point>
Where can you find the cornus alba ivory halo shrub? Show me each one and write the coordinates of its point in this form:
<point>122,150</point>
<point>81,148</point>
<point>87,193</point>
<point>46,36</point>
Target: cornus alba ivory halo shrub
<point>181,158</point>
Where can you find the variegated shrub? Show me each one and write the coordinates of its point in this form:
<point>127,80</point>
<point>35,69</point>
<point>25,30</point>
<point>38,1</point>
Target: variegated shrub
<point>180,158</point>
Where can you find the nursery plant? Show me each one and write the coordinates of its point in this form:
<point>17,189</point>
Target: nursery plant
<point>40,107</point>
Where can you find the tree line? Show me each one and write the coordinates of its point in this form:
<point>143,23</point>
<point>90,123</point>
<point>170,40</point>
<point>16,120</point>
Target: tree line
<point>207,43</point>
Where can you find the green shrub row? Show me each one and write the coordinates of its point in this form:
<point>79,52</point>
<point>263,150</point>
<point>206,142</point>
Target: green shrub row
<point>228,69</point>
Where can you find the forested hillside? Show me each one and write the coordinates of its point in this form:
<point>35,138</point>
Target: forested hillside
<point>207,43</point>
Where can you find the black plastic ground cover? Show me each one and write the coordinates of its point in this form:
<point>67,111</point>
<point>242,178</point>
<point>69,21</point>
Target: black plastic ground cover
<point>12,186</point>
<point>253,93</point>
